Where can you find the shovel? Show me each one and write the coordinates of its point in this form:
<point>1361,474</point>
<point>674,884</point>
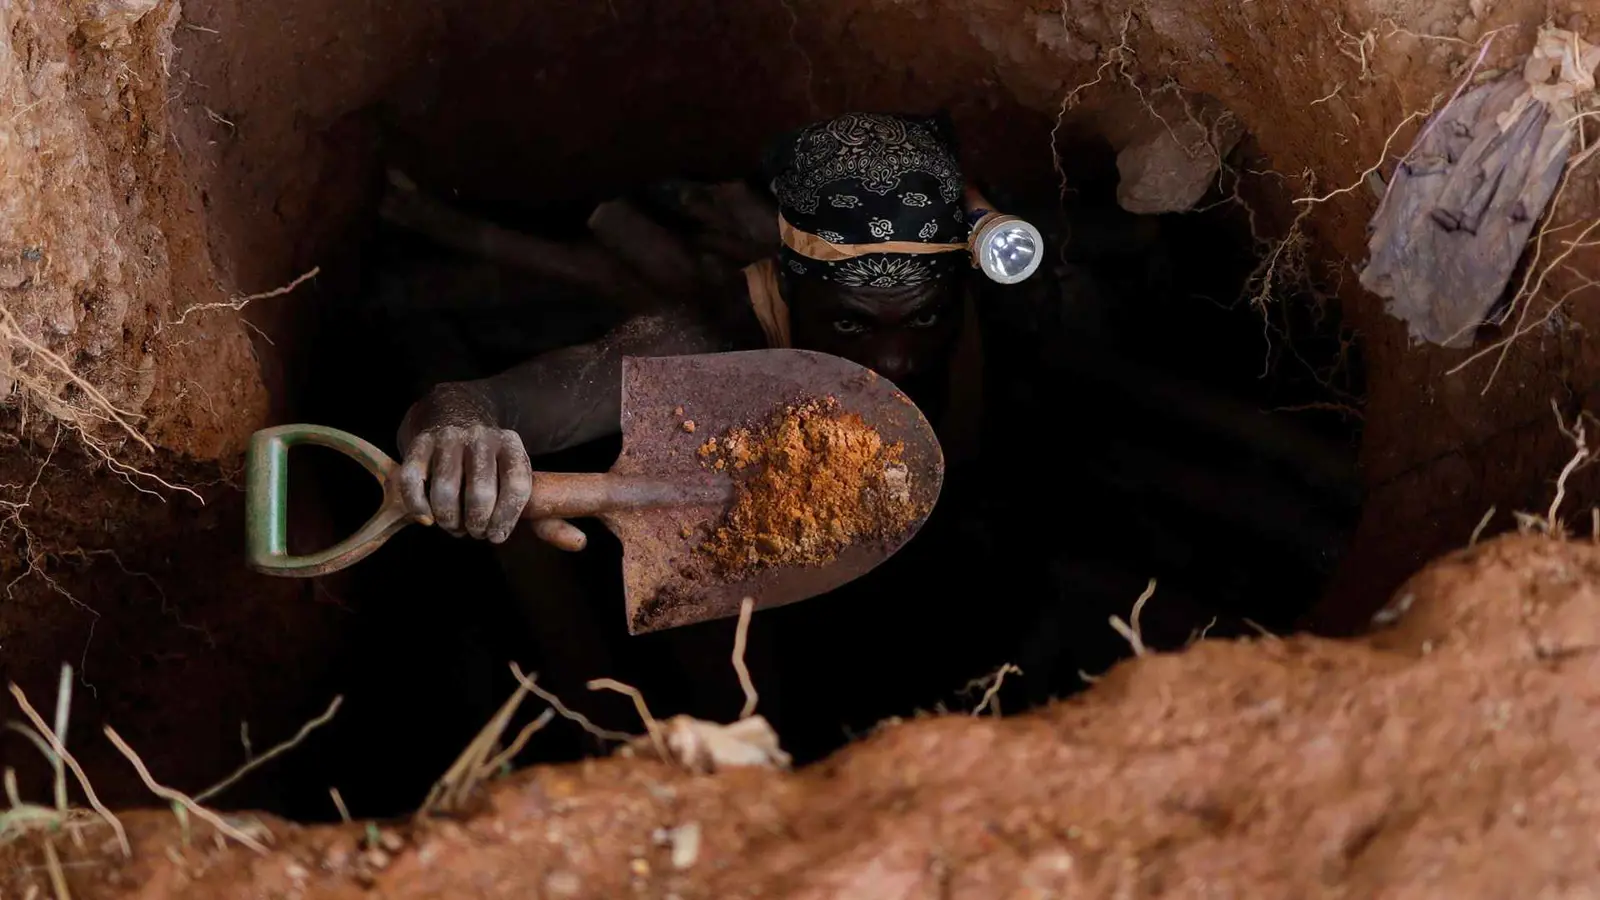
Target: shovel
<point>659,498</point>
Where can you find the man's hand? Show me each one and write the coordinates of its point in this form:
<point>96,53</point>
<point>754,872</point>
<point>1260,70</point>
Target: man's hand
<point>468,473</point>
<point>469,480</point>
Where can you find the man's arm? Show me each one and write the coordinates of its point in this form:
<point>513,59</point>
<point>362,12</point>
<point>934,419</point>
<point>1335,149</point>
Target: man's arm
<point>466,444</point>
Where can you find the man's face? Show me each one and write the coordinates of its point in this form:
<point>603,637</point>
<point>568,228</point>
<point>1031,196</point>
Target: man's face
<point>905,334</point>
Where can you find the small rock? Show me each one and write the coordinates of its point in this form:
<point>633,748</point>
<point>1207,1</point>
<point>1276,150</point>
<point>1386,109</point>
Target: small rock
<point>376,860</point>
<point>640,867</point>
<point>105,23</point>
<point>336,857</point>
<point>688,426</point>
<point>685,845</point>
<point>897,482</point>
<point>702,746</point>
<point>1168,170</point>
<point>563,884</point>
<point>391,841</point>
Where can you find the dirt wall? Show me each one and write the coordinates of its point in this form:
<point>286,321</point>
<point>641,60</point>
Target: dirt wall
<point>102,254</point>
<point>1452,756</point>
<point>225,148</point>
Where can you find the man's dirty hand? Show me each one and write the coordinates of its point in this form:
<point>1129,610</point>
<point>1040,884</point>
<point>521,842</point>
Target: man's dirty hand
<point>468,480</point>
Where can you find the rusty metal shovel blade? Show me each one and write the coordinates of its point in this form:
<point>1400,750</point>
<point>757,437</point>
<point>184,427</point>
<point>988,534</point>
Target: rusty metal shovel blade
<point>658,498</point>
<point>665,588</point>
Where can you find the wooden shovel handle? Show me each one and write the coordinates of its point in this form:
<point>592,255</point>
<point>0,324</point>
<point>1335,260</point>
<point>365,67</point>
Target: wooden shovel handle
<point>562,495</point>
<point>555,495</point>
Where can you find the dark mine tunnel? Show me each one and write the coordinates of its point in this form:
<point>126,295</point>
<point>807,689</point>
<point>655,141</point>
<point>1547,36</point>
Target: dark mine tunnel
<point>1242,548</point>
<point>1120,440</point>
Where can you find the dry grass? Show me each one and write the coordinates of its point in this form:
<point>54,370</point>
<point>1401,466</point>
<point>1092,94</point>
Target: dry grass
<point>256,762</point>
<point>54,748</point>
<point>483,757</point>
<point>339,805</point>
<point>23,818</point>
<point>531,684</point>
<point>1483,523</point>
<point>58,877</point>
<point>183,805</point>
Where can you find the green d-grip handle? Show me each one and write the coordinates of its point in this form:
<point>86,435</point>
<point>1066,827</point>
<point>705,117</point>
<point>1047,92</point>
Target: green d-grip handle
<point>266,493</point>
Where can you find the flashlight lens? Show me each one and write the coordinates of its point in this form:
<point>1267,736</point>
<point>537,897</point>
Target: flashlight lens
<point>1010,254</point>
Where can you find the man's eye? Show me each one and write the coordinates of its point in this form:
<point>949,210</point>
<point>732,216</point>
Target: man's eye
<point>924,320</point>
<point>848,326</point>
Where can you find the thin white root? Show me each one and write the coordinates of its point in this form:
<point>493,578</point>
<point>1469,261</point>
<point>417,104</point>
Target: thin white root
<point>338,804</point>
<point>100,406</point>
<point>1131,632</point>
<point>512,749</point>
<point>741,637</point>
<point>180,800</point>
<point>238,303</point>
<point>1482,524</point>
<point>1581,456</point>
<point>650,723</point>
<point>561,709</point>
<point>259,761</point>
<point>992,692</point>
<point>1258,628</point>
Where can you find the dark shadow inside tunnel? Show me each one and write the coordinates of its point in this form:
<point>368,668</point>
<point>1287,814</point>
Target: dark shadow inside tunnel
<point>1142,419</point>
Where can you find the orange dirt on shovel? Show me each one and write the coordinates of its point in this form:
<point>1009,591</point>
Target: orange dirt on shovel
<point>800,472</point>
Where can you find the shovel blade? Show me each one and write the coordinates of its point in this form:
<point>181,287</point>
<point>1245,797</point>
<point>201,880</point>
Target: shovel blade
<point>666,585</point>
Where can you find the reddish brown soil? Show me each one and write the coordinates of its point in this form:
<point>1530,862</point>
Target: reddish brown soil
<point>102,252</point>
<point>1452,756</point>
<point>228,148</point>
<point>259,151</point>
<point>810,482</point>
<point>171,636</point>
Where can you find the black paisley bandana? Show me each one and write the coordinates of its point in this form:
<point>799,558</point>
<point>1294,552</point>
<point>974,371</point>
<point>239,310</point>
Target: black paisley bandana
<point>868,178</point>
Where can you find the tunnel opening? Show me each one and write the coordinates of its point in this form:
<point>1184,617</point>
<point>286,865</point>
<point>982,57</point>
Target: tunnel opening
<point>1149,411</point>
<point>1155,404</point>
<point>1192,420</point>
<point>1176,397</point>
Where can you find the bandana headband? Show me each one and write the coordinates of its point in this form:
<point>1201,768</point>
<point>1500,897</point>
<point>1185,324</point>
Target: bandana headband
<point>817,247</point>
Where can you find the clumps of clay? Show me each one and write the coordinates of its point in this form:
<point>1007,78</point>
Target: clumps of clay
<point>810,482</point>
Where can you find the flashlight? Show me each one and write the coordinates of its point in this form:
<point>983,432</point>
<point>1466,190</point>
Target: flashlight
<point>1006,248</point>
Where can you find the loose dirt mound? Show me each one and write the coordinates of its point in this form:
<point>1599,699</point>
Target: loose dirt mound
<point>1453,756</point>
<point>811,481</point>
